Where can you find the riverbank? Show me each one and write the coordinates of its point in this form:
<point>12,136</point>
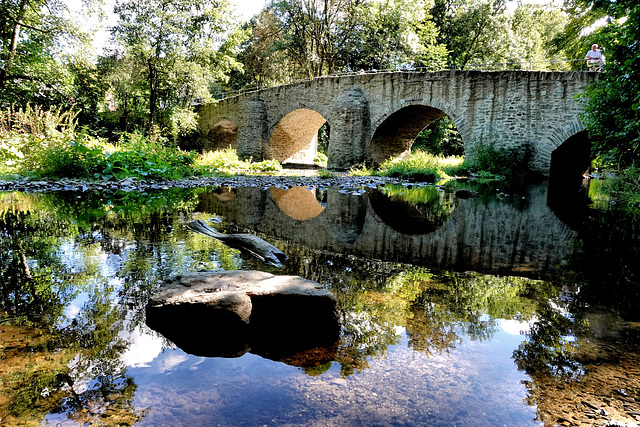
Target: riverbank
<point>133,184</point>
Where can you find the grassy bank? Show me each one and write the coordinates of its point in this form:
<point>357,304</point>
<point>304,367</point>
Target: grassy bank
<point>46,144</point>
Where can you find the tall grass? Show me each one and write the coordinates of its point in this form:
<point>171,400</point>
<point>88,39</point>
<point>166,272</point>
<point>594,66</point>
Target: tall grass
<point>510,165</point>
<point>418,165</point>
<point>227,161</point>
<point>625,186</point>
<point>27,134</point>
<point>45,143</point>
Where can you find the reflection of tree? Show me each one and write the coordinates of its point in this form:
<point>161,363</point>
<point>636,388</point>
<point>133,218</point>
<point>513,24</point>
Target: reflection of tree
<point>419,210</point>
<point>550,345</point>
<point>30,266</point>
<point>435,204</point>
<point>453,304</point>
<point>604,261</point>
<point>437,310</point>
<point>69,367</point>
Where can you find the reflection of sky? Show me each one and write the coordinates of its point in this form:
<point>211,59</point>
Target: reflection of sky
<point>475,384</point>
<point>143,348</point>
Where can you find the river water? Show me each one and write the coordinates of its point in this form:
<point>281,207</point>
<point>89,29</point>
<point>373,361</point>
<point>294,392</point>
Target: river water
<point>509,308</point>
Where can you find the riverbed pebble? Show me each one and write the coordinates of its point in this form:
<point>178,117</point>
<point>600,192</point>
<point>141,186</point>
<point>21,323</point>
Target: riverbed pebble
<point>348,184</point>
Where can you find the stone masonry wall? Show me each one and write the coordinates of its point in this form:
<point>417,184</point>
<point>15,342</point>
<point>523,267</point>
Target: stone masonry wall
<point>508,109</point>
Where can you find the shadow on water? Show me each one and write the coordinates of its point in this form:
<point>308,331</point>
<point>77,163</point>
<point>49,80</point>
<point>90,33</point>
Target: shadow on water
<point>445,303</point>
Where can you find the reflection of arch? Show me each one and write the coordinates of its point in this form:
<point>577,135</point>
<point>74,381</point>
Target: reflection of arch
<point>223,134</point>
<point>297,202</point>
<point>294,138</point>
<point>405,217</point>
<point>224,194</point>
<point>394,136</point>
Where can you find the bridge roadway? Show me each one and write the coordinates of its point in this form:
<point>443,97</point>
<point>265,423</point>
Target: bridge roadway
<point>376,116</point>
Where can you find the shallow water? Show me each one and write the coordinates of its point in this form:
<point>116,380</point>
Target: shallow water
<point>509,308</point>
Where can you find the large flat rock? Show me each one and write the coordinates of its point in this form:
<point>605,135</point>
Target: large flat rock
<point>229,313</point>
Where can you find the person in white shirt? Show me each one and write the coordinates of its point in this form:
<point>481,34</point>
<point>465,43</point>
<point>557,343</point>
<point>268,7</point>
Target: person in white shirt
<point>594,58</point>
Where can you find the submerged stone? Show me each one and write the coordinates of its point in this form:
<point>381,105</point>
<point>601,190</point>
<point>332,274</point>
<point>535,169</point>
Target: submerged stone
<point>229,313</point>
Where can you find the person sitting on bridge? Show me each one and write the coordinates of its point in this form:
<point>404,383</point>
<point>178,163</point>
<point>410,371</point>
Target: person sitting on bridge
<point>594,58</point>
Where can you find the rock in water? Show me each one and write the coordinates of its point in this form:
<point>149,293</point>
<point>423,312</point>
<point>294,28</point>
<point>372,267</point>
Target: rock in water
<point>228,313</point>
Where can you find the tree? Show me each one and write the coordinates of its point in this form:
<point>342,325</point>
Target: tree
<point>613,107</point>
<point>466,27</point>
<point>33,34</point>
<point>394,34</point>
<point>527,37</point>
<point>314,31</point>
<point>264,61</point>
<point>181,45</point>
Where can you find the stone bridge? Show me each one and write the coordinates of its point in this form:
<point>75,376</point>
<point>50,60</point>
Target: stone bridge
<point>375,117</point>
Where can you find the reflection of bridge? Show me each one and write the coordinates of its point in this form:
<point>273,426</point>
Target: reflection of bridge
<point>520,237</point>
<point>373,117</point>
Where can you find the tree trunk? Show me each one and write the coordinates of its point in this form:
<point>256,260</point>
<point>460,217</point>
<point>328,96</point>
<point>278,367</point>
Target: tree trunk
<point>8,63</point>
<point>153,92</point>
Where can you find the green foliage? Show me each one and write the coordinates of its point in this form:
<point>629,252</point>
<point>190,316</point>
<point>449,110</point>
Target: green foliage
<point>510,164</point>
<point>137,156</point>
<point>44,142</point>
<point>394,34</point>
<point>612,111</point>
<point>624,186</point>
<point>440,138</point>
<point>177,47</point>
<point>26,134</point>
<point>183,121</point>
<point>361,170</point>
<point>321,159</point>
<point>33,34</point>
<point>227,161</point>
<point>422,165</point>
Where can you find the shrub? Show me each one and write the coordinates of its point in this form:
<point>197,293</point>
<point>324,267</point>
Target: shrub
<point>422,165</point>
<point>26,133</point>
<point>625,186</point>
<point>321,159</point>
<point>502,163</point>
<point>227,161</point>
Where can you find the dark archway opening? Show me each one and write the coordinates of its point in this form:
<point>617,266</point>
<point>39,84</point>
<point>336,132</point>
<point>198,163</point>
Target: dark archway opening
<point>223,134</point>
<point>570,162</point>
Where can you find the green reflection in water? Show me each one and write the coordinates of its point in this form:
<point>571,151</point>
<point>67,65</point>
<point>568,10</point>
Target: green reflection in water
<point>380,299</point>
<point>113,250</point>
<point>414,210</point>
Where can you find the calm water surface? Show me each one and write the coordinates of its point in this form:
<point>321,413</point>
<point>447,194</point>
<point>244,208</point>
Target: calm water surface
<point>510,308</point>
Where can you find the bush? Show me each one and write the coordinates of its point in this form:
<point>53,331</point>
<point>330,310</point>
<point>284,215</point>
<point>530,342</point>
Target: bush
<point>227,161</point>
<point>422,165</point>
<point>503,164</point>
<point>440,138</point>
<point>26,133</point>
<point>625,186</point>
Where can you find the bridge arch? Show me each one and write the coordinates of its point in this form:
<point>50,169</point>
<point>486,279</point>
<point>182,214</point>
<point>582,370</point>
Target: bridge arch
<point>223,134</point>
<point>396,129</point>
<point>556,137</point>
<point>294,137</point>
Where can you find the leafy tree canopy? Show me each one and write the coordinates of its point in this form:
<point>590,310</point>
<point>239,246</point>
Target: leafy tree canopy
<point>181,46</point>
<point>34,36</point>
